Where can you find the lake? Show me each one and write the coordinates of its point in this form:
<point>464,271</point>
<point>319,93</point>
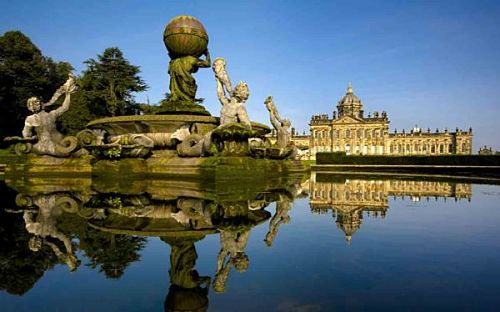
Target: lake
<point>319,242</point>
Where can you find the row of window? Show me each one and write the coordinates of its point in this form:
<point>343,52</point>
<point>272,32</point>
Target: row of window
<point>425,148</point>
<point>347,195</point>
<point>347,133</point>
<point>407,148</point>
<point>394,149</point>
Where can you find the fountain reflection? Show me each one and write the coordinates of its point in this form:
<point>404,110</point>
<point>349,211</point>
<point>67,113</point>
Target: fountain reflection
<point>350,197</point>
<point>108,222</point>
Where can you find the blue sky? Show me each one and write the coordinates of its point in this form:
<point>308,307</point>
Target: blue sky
<point>428,63</point>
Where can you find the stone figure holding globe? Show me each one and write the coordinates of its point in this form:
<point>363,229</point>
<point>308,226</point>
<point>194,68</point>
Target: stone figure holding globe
<point>186,41</point>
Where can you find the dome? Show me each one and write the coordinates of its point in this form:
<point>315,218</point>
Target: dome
<point>349,98</point>
<point>350,104</point>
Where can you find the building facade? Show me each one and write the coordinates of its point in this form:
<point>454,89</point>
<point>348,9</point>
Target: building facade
<point>351,132</point>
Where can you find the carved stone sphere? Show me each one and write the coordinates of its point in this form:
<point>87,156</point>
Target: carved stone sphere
<point>185,36</point>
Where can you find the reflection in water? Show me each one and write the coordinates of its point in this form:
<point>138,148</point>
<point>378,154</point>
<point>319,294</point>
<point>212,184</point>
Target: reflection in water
<point>48,207</point>
<point>107,222</point>
<point>188,290</point>
<point>349,197</point>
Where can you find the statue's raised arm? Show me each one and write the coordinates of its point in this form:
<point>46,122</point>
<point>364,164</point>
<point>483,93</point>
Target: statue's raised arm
<point>68,88</point>
<point>221,95</point>
<point>205,63</point>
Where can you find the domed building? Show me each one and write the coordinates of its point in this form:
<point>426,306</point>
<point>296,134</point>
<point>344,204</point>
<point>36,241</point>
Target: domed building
<point>351,132</point>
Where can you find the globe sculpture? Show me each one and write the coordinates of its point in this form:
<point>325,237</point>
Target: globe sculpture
<point>186,41</point>
<point>185,36</point>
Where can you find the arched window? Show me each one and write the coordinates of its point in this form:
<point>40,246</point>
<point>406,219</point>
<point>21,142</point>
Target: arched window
<point>415,148</point>
<point>358,133</point>
<point>367,133</point>
<point>441,148</point>
<point>450,148</point>
<point>433,148</point>
<point>374,133</point>
<point>347,133</point>
<point>381,133</point>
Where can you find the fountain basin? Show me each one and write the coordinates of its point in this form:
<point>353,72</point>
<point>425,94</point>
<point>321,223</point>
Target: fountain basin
<point>160,128</point>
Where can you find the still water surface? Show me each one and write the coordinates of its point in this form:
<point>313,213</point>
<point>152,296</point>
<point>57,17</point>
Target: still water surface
<point>315,243</point>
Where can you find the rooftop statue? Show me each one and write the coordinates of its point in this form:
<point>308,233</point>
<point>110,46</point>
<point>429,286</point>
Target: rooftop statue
<point>40,134</point>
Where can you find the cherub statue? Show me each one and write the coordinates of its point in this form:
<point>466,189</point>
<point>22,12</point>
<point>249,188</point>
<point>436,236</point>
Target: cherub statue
<point>233,109</point>
<point>282,125</point>
<point>49,140</point>
<point>219,67</point>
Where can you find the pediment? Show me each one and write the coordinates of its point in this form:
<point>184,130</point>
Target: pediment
<point>347,119</point>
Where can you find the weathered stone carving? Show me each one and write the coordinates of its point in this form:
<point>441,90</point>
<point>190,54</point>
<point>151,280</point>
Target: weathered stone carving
<point>186,41</point>
<point>182,84</point>
<point>40,134</point>
<point>282,125</point>
<point>219,67</point>
<point>233,109</point>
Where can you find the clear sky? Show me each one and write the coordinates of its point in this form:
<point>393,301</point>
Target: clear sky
<point>428,63</point>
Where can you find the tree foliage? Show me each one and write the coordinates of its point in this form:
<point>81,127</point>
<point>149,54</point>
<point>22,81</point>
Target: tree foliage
<point>24,72</point>
<point>106,88</point>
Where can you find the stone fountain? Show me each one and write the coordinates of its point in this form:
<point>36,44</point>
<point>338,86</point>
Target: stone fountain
<point>181,138</point>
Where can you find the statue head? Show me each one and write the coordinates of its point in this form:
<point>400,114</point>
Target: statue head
<point>35,243</point>
<point>240,262</point>
<point>219,65</point>
<point>34,104</point>
<point>241,91</point>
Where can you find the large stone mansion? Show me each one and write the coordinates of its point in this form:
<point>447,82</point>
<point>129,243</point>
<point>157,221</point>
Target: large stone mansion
<point>350,131</point>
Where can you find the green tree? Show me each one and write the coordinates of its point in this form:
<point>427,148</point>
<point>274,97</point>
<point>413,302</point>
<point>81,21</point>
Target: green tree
<point>24,72</point>
<point>113,79</point>
<point>106,88</point>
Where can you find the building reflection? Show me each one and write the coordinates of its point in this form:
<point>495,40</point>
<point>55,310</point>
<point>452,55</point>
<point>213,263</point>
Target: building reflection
<point>55,221</point>
<point>349,198</point>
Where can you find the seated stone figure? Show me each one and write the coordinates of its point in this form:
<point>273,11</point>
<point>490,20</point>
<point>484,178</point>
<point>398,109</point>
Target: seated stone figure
<point>41,125</point>
<point>233,109</point>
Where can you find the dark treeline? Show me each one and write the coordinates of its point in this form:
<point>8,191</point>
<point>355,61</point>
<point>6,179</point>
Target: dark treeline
<point>106,86</point>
